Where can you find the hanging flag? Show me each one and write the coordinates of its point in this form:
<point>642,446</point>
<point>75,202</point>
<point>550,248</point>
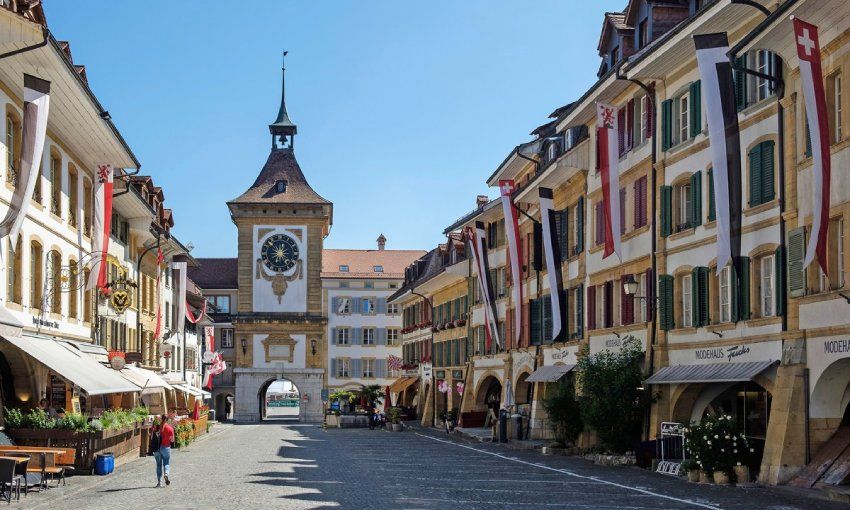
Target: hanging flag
<point>394,362</point>
<point>191,317</point>
<point>552,248</point>
<point>811,75</point>
<point>209,356</point>
<point>159,259</point>
<point>180,267</point>
<point>722,114</point>
<point>477,239</point>
<point>609,168</point>
<point>514,250</point>
<point>36,105</point>
<point>102,226</point>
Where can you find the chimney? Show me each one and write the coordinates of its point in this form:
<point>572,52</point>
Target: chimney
<point>481,200</point>
<point>382,242</point>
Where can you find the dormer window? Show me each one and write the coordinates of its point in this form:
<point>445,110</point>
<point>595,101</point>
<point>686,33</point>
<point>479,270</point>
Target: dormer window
<point>378,269</point>
<point>614,55</point>
<point>643,33</point>
<point>343,269</point>
<point>280,186</point>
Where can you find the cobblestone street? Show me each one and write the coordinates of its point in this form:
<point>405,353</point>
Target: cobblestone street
<point>300,467</point>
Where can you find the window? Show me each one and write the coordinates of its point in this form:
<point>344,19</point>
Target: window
<point>763,61</point>
<point>643,33</point>
<point>642,291</point>
<point>725,295</point>
<point>392,308</point>
<point>343,336</point>
<point>600,222</point>
<point>55,184</point>
<point>221,303</point>
<point>835,257</point>
<point>760,159</point>
<point>639,119</point>
<point>551,151</point>
<point>683,116</point>
<point>227,338</point>
<point>687,302</point>
<point>640,215</point>
<point>13,140</point>
<point>36,276</point>
<point>368,368</point>
<point>73,202</point>
<point>343,367</point>
<point>87,207</point>
<point>368,336</point>
<point>833,98</point>
<point>577,315</point>
<point>368,285</point>
<point>368,305</point>
<point>343,306</point>
<point>766,286</point>
<point>343,285</point>
<point>392,336</point>
<point>684,207</point>
<point>343,269</point>
<point>73,279</point>
<point>378,269</point>
<point>88,299</point>
<point>751,89</point>
<point>13,272</point>
<point>838,119</point>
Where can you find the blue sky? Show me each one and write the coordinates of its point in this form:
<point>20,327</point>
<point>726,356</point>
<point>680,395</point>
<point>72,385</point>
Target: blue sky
<point>403,108</point>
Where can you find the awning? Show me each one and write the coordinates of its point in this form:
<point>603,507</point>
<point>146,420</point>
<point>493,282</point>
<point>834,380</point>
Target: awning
<point>550,373</point>
<point>713,373</point>
<point>146,380</point>
<point>207,395</point>
<point>78,367</point>
<point>191,390</point>
<point>402,384</point>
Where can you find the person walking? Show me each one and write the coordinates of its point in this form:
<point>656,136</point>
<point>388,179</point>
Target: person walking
<point>165,434</point>
<point>154,444</point>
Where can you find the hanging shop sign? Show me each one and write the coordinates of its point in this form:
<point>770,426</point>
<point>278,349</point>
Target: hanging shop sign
<point>119,291</point>
<point>426,370</point>
<point>117,359</point>
<point>133,357</point>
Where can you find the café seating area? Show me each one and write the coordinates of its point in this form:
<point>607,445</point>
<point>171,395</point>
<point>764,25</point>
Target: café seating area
<point>26,469</point>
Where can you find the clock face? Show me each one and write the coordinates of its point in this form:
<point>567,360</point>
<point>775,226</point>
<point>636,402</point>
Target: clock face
<point>279,253</point>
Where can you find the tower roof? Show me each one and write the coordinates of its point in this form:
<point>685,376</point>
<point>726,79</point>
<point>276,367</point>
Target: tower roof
<point>281,166</point>
<point>283,124</point>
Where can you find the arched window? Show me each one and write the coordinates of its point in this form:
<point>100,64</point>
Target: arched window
<point>13,272</point>
<point>73,290</point>
<point>55,183</point>
<point>54,266</point>
<point>36,275</point>
<point>88,298</point>
<point>73,202</point>
<point>13,147</point>
<point>87,207</point>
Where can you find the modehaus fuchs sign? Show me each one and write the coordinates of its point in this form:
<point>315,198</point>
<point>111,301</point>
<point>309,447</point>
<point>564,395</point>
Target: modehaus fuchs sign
<point>721,353</point>
<point>836,346</point>
<point>760,351</point>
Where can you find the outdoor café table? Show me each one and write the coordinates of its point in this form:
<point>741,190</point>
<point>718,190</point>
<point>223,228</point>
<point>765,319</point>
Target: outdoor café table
<point>18,460</point>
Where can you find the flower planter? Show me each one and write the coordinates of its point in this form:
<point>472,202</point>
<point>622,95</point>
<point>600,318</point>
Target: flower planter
<point>705,477</point>
<point>742,474</point>
<point>721,478</point>
<point>396,427</point>
<point>694,475</point>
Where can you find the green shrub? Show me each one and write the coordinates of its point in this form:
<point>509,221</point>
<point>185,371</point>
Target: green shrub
<point>75,422</point>
<point>715,444</point>
<point>14,418</point>
<point>564,413</point>
<point>394,414</point>
<point>38,419</point>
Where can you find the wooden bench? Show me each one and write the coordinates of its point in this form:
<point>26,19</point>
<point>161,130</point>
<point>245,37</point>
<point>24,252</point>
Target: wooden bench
<point>57,460</point>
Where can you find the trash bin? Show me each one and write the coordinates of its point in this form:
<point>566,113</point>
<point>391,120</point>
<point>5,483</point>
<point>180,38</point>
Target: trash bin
<point>517,425</point>
<point>104,463</point>
<point>503,426</point>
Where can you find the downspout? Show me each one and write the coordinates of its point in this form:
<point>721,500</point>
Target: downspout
<point>44,30</point>
<point>139,292</point>
<point>651,302</point>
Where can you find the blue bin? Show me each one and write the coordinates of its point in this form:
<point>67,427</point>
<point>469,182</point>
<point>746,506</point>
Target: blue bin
<point>104,463</point>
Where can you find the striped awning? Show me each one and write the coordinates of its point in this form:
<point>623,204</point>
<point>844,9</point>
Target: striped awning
<point>713,373</point>
<point>550,373</point>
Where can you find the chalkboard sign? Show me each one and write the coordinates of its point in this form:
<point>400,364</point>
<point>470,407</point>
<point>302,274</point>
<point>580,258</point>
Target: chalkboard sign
<point>57,392</point>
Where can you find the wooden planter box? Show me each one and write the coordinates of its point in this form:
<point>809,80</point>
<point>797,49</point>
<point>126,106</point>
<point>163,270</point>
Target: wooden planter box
<point>119,442</point>
<point>200,425</point>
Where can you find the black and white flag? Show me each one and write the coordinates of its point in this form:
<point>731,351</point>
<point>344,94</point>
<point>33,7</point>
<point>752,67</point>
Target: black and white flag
<point>477,240</point>
<point>36,103</point>
<point>721,112</point>
<point>552,249</point>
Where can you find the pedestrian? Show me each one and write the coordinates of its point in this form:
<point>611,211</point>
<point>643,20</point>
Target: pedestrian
<point>154,445</point>
<point>163,454</point>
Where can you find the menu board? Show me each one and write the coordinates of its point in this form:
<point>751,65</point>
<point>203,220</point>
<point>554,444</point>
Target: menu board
<point>57,392</point>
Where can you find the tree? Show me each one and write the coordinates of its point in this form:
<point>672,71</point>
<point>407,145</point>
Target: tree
<point>372,394</point>
<point>612,400</point>
<point>564,412</point>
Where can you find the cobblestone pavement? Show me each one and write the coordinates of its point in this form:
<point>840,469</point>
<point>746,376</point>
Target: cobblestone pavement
<point>275,465</point>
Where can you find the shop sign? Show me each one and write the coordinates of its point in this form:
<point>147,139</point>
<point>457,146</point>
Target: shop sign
<point>836,347</point>
<point>133,357</point>
<point>760,351</point>
<point>614,344</point>
<point>722,353</point>
<point>426,370</point>
<point>457,374</point>
<point>441,374</point>
<point>669,428</point>
<point>120,300</point>
<point>117,360</point>
<point>44,323</point>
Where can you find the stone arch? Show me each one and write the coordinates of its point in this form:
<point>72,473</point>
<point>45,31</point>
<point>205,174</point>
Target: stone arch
<point>522,393</point>
<point>262,394</point>
<point>488,393</point>
<point>831,393</point>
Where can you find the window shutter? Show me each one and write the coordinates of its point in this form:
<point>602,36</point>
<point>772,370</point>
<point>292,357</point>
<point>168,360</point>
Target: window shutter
<point>740,79</point>
<point>600,222</point>
<point>754,157</point>
<point>333,367</point>
<point>580,308</point>
<point>808,137</point>
<point>705,303</point>
<point>712,213</point>
<point>640,202</point>
<point>665,292</point>
<point>696,199</point>
<point>538,247</point>
<point>650,115</point>
<point>580,222</point>
<point>356,368</point>
<point>666,210</point>
<point>356,305</point>
<point>381,334</point>
<point>650,293</point>
<point>333,336</point>
<point>779,280</point>
<point>695,298</point>
<point>622,211</point>
<point>767,187</point>
<point>627,303</point>
<point>696,108</point>
<point>796,254</point>
<point>335,305</point>
<point>536,319</point>
<point>666,124</point>
<point>525,333</point>
<point>744,288</point>
<point>621,132</point>
<point>356,336</point>
<point>630,110</point>
<point>591,307</point>
<point>380,368</point>
<point>381,305</point>
<point>598,150</point>
<point>546,312</point>
<point>609,304</point>
<point>565,230</point>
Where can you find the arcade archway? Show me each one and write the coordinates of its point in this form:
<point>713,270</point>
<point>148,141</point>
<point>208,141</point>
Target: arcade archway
<point>279,399</point>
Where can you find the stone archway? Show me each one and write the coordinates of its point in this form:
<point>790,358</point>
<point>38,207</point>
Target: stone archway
<point>280,399</point>
<point>252,384</point>
<point>488,395</point>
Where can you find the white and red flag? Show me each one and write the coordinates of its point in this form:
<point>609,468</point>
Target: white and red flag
<point>102,225</point>
<point>811,75</point>
<point>180,279</point>
<point>514,249</point>
<point>159,259</point>
<point>609,168</point>
<point>36,105</point>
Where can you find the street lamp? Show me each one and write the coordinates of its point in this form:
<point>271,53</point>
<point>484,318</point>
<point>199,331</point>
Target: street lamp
<point>630,287</point>
<point>244,346</point>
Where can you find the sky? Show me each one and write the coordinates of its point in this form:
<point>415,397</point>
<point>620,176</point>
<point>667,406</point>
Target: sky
<point>403,108</point>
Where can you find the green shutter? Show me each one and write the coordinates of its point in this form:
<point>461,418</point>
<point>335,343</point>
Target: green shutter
<point>767,187</point>
<point>666,124</point>
<point>699,296</point>
<point>666,210</point>
<point>744,290</point>
<point>705,303</point>
<point>535,319</point>
<point>696,108</point>
<point>580,308</point>
<point>547,319</point>
<point>580,223</point>
<point>779,276</point>
<point>665,294</point>
<point>754,157</point>
<point>808,139</point>
<point>712,213</point>
<point>740,83</point>
<point>796,254</point>
<point>733,293</point>
<point>696,199</point>
<point>695,298</point>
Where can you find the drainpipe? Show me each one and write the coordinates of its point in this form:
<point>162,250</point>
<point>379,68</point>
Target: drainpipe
<point>651,302</point>
<point>139,292</point>
<point>44,30</point>
<point>433,374</point>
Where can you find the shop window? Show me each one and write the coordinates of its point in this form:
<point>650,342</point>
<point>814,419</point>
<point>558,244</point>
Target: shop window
<point>14,276</point>
<point>749,404</point>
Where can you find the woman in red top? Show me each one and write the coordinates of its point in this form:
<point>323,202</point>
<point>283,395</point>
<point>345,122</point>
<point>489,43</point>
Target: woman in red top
<point>163,455</point>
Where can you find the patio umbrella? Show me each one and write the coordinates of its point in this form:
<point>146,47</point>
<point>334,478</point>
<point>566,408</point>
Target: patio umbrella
<point>388,399</point>
<point>509,395</point>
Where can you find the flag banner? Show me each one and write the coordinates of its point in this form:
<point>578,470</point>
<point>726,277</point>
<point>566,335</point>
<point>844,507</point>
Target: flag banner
<point>34,131</point>
<point>101,227</point>
<point>394,362</point>
<point>811,76</point>
<point>552,248</point>
<point>191,317</point>
<point>477,240</point>
<point>159,259</point>
<point>722,115</point>
<point>180,267</point>
<point>209,356</point>
<point>514,250</point>
<point>609,169</point>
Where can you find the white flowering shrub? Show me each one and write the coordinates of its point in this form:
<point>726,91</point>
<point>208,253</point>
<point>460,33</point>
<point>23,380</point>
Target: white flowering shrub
<point>715,444</point>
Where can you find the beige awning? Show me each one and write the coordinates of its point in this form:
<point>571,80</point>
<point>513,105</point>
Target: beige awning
<point>550,373</point>
<point>402,384</point>
<point>712,373</point>
<point>147,380</point>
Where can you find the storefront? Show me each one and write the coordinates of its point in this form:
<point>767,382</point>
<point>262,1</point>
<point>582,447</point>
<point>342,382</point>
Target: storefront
<point>829,386</point>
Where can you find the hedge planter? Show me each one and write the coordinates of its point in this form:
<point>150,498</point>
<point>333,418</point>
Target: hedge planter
<point>705,477</point>
<point>721,478</point>
<point>694,475</point>
<point>396,427</point>
<point>742,475</point>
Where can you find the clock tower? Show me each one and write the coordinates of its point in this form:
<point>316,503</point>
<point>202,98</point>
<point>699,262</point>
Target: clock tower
<point>279,323</point>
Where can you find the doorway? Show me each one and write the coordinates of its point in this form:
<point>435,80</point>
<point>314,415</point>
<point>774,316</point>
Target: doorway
<point>280,399</point>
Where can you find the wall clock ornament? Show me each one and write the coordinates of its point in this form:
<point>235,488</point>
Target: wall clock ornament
<point>279,253</point>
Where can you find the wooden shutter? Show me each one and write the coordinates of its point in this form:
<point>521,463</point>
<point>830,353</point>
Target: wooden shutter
<point>536,322</point>
<point>779,280</point>
<point>696,199</point>
<point>630,111</point>
<point>621,133</point>
<point>546,312</point>
<point>600,222</point>
<point>598,149</point>
<point>796,255</point>
<point>712,213</point>
<point>609,304</point>
<point>696,108</point>
<point>695,298</point>
<point>591,307</point>
<point>650,293</point>
<point>333,367</point>
<point>767,187</point>
<point>381,336</point>
<point>665,292</point>
<point>333,336</point>
<point>525,334</point>
<point>538,247</point>
<point>622,211</point>
<point>666,210</point>
<point>640,202</point>
<point>509,320</point>
<point>666,124</point>
<point>580,222</point>
<point>740,83</point>
<point>705,298</point>
<point>744,290</point>
<point>754,157</point>
<point>649,115</point>
<point>580,308</point>
<point>627,303</point>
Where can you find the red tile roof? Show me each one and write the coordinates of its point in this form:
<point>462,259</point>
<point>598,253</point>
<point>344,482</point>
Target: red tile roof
<point>361,263</point>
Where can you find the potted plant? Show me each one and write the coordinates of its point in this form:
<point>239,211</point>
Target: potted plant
<point>394,415</point>
<point>691,468</point>
<point>718,448</point>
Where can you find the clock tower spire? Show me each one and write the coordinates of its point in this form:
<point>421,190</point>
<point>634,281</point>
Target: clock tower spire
<point>283,130</point>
